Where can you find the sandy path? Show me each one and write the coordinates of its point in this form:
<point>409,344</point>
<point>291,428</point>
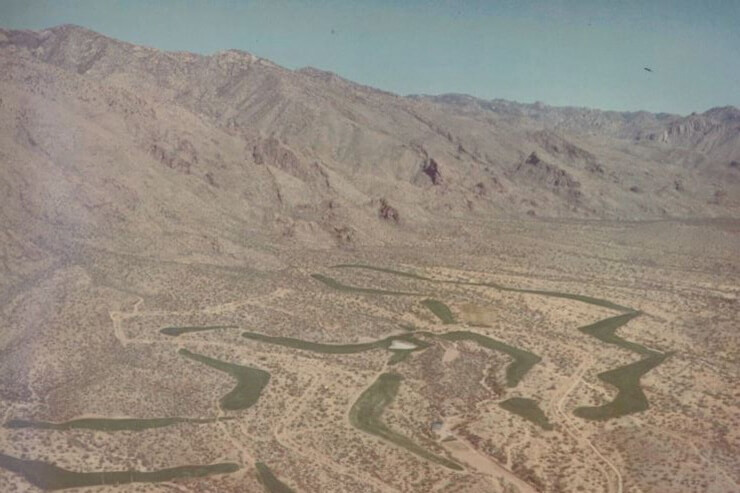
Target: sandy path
<point>575,380</point>
<point>247,458</point>
<point>467,454</point>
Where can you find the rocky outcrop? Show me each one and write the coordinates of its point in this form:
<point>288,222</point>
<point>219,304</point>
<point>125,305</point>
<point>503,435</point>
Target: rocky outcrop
<point>344,236</point>
<point>557,145</point>
<point>556,179</point>
<point>271,151</point>
<point>387,212</point>
<point>180,157</point>
<point>431,169</point>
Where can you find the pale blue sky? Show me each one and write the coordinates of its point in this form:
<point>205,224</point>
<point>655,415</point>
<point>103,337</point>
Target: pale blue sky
<point>562,52</point>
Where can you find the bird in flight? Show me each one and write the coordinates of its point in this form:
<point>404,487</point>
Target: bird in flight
<point>647,69</point>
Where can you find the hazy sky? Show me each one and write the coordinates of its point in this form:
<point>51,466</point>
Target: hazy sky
<point>561,52</point>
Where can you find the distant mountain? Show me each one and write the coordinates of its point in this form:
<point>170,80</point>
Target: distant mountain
<point>129,148</point>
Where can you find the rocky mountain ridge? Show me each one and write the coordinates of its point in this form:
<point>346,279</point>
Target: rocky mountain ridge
<point>110,143</point>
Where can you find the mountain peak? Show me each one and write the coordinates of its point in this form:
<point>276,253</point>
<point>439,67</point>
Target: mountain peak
<point>724,114</point>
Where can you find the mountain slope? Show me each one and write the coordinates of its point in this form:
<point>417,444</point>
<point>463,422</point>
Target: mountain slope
<point>109,143</point>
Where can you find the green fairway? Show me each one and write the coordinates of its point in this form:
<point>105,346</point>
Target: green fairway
<point>630,396</point>
<point>50,477</point>
<point>441,310</point>
<point>271,483</point>
<point>554,294</point>
<point>250,381</point>
<point>381,269</point>
<point>523,359</point>
<point>605,330</point>
<point>319,347</point>
<point>366,412</point>
<point>332,283</point>
<point>176,331</point>
<point>528,409</point>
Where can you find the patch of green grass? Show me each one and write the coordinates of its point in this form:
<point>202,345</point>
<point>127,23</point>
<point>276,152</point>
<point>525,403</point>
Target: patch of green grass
<point>316,347</point>
<point>630,396</point>
<point>554,294</point>
<point>176,331</point>
<point>441,310</point>
<point>527,409</point>
<point>523,359</point>
<point>249,386</point>
<point>106,424</point>
<point>605,330</point>
<point>271,483</point>
<point>569,296</point>
<point>332,283</point>
<point>319,347</point>
<point>381,269</point>
<point>366,412</point>
<point>50,477</point>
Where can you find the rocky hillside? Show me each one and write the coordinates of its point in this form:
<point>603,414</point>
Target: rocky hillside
<point>136,150</point>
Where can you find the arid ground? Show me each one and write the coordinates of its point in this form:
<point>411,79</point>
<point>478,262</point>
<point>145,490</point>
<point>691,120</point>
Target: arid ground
<point>221,275</point>
<point>93,348</point>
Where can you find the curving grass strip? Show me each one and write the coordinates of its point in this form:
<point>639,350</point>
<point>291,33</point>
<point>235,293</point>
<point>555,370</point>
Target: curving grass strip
<point>249,386</point>
<point>366,412</point>
<point>523,359</point>
<point>176,331</point>
<point>605,331</point>
<point>320,347</point>
<point>50,477</point>
<point>271,483</point>
<point>441,310</point>
<point>333,283</point>
<point>554,294</point>
<point>410,275</point>
<point>630,396</point>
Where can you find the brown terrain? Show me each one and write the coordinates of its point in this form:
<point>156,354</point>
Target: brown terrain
<point>144,190</point>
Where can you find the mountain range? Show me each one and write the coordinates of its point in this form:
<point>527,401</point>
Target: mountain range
<point>117,145</point>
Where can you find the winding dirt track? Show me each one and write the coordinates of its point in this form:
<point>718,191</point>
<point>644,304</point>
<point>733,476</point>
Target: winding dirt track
<point>575,380</point>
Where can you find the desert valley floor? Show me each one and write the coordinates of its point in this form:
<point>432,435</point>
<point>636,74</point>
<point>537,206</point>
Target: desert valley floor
<point>535,356</point>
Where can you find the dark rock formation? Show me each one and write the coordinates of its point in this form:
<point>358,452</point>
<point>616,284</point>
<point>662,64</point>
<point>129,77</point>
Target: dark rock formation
<point>387,212</point>
<point>431,169</point>
<point>553,177</point>
<point>533,159</point>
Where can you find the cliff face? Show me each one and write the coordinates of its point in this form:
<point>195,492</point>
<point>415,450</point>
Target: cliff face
<point>128,147</point>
